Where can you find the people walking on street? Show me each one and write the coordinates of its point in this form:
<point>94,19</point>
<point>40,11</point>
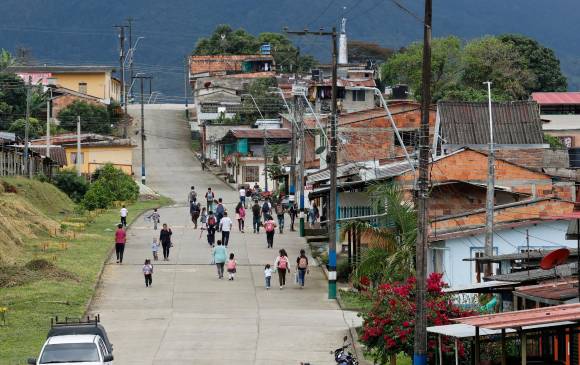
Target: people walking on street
<point>192,196</point>
<point>256,214</point>
<point>293,211</point>
<point>120,240</point>
<point>124,213</point>
<point>240,216</point>
<point>219,255</point>
<point>302,265</point>
<point>211,228</point>
<point>231,267</point>
<point>270,228</point>
<point>243,196</point>
<point>155,249</point>
<point>148,273</point>
<point>209,198</point>
<point>266,209</point>
<point>155,217</point>
<point>219,211</point>
<point>194,210</point>
<point>282,265</point>
<point>225,227</point>
<point>280,215</point>
<point>202,221</point>
<point>165,239</point>
<point>268,276</point>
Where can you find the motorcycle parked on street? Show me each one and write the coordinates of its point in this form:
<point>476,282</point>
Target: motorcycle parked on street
<point>344,357</point>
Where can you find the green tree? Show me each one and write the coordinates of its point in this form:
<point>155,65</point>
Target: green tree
<point>490,59</point>
<point>111,185</point>
<point>362,51</point>
<point>12,99</point>
<point>539,60</point>
<point>405,67</point>
<point>35,128</point>
<point>73,185</point>
<point>227,41</point>
<point>94,118</point>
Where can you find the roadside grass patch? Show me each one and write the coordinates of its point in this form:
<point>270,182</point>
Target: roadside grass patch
<point>58,281</point>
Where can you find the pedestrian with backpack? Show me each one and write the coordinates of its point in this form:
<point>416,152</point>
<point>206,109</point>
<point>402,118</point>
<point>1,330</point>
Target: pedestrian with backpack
<point>266,209</point>
<point>192,196</point>
<point>209,198</point>
<point>155,217</point>
<point>219,212</point>
<point>240,216</point>
<point>194,211</point>
<point>211,228</point>
<point>270,227</point>
<point>282,265</point>
<point>302,265</point>
<point>231,267</point>
<point>280,215</point>
<point>256,222</point>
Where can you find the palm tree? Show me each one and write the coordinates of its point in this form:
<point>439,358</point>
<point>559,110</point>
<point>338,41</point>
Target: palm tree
<point>391,251</point>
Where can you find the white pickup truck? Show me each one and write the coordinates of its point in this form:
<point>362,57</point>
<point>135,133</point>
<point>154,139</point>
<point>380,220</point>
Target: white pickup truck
<point>76,342</point>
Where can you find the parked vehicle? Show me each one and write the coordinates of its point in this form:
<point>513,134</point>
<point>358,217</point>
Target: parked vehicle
<point>76,341</point>
<point>344,357</point>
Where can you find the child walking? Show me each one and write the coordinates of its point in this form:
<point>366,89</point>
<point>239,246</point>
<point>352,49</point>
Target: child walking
<point>203,221</point>
<point>155,217</point>
<point>232,267</point>
<point>148,272</point>
<point>268,275</point>
<point>155,248</point>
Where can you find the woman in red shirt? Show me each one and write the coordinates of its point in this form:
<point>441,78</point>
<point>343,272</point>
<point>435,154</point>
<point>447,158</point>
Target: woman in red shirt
<point>120,240</point>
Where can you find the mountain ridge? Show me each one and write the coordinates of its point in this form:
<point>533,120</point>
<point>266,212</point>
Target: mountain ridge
<point>81,31</point>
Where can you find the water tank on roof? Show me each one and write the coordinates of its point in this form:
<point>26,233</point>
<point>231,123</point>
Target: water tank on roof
<point>265,49</point>
<point>401,91</point>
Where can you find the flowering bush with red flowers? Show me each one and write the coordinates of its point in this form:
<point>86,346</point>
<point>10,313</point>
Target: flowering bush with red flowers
<point>388,327</point>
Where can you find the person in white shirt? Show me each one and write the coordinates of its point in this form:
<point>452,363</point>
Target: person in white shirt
<point>243,196</point>
<point>226,226</point>
<point>124,213</point>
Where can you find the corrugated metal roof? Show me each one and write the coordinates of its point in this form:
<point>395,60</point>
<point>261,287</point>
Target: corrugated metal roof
<point>561,291</point>
<point>556,98</point>
<point>533,255</point>
<point>57,153</point>
<point>535,275</point>
<point>341,171</point>
<point>59,69</point>
<point>467,123</point>
<point>530,317</point>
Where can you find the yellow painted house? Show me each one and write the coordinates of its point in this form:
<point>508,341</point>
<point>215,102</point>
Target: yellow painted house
<point>96,151</point>
<point>97,81</point>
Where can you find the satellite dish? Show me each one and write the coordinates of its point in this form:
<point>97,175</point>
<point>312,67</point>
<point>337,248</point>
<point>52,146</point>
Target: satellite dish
<point>320,149</point>
<point>555,258</point>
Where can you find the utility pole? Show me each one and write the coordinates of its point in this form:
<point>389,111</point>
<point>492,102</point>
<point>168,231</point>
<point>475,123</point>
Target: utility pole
<point>422,197</point>
<point>292,181</point>
<point>131,50</point>
<point>48,102</point>
<point>186,79</point>
<point>332,163</point>
<point>141,78</point>
<point>27,129</point>
<point>265,158</point>
<point>122,63</point>
<point>301,177</point>
<point>79,153</point>
<point>490,200</point>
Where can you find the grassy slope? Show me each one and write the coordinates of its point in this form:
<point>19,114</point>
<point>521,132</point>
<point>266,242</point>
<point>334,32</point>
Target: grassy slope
<point>30,306</point>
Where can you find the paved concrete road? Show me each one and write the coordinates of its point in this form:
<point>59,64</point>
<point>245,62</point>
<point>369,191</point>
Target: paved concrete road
<point>189,316</point>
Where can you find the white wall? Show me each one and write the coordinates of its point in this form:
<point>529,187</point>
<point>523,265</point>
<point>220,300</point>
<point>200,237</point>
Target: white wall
<point>456,272</point>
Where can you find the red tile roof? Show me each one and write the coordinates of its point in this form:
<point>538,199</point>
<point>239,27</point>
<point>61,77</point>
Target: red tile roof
<point>555,98</point>
<point>217,63</point>
<point>277,133</point>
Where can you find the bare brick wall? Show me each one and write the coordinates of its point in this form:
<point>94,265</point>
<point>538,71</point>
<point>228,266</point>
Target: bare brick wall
<point>63,101</point>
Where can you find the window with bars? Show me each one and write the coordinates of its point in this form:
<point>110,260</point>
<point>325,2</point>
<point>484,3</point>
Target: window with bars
<point>410,138</point>
<point>251,173</point>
